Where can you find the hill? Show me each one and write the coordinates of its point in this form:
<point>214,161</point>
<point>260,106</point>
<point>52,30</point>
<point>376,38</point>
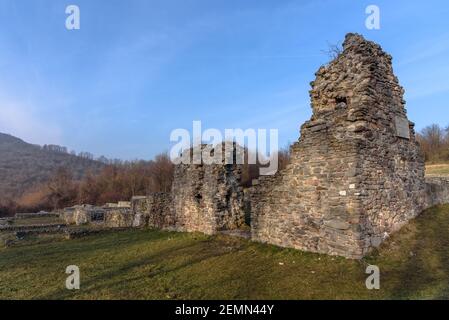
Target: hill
<point>24,165</point>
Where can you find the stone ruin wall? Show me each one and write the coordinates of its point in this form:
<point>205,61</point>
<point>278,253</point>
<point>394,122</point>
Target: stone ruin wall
<point>88,214</point>
<point>118,218</point>
<point>208,198</point>
<point>356,173</point>
<point>154,211</point>
<point>204,198</point>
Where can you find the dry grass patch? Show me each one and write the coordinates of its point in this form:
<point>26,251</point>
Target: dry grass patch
<point>437,169</point>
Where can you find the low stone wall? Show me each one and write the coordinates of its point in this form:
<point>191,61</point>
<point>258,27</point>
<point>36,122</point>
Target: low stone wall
<point>48,228</point>
<point>124,204</point>
<point>5,221</point>
<point>41,214</point>
<point>83,214</point>
<point>68,215</point>
<point>153,211</point>
<point>437,189</point>
<point>118,218</point>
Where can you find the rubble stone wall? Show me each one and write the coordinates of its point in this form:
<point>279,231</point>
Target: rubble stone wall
<point>118,218</point>
<point>154,211</point>
<point>68,215</point>
<point>82,214</point>
<point>356,174</point>
<point>41,214</point>
<point>208,198</point>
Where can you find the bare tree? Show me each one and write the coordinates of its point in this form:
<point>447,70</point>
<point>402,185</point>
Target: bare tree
<point>333,50</point>
<point>162,173</point>
<point>434,142</point>
<point>283,158</point>
<point>63,190</point>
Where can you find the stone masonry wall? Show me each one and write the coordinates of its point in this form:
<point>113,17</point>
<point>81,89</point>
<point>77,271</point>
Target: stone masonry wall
<point>118,218</point>
<point>207,197</point>
<point>356,174</point>
<point>82,214</point>
<point>153,211</point>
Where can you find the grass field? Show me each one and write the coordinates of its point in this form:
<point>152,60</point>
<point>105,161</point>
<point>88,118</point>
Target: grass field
<point>437,169</point>
<point>148,264</point>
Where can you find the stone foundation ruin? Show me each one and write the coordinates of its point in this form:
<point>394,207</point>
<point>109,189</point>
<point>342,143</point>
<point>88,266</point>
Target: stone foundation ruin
<point>356,174</point>
<point>109,216</point>
<point>204,198</point>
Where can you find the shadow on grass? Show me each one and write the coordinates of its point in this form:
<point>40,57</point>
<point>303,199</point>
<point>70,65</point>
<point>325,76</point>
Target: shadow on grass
<point>165,261</point>
<point>82,246</point>
<point>425,274</point>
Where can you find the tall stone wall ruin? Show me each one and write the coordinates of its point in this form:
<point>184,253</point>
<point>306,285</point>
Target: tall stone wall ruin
<point>356,174</point>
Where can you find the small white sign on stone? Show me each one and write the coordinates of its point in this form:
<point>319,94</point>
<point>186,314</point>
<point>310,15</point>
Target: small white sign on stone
<point>402,127</point>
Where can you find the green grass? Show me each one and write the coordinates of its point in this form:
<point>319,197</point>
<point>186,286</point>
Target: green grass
<point>437,169</point>
<point>148,264</point>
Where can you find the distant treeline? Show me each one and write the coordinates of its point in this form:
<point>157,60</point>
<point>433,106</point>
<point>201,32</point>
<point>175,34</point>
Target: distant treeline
<point>115,182</point>
<point>85,155</point>
<point>434,141</point>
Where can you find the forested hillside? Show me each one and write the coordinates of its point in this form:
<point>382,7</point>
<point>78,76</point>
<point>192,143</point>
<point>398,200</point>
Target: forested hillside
<point>24,165</point>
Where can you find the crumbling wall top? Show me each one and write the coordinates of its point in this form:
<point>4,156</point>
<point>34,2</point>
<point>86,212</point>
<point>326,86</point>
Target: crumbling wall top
<point>359,79</point>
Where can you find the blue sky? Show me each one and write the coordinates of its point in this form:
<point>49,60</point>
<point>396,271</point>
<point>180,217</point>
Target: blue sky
<point>137,69</point>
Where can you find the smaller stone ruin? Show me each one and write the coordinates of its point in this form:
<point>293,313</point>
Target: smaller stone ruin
<point>108,216</point>
<point>118,218</point>
<point>204,198</point>
<point>41,214</point>
<point>208,197</point>
<point>82,214</point>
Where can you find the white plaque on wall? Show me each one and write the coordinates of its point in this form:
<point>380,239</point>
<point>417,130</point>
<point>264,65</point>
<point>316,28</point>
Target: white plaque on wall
<point>402,127</point>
